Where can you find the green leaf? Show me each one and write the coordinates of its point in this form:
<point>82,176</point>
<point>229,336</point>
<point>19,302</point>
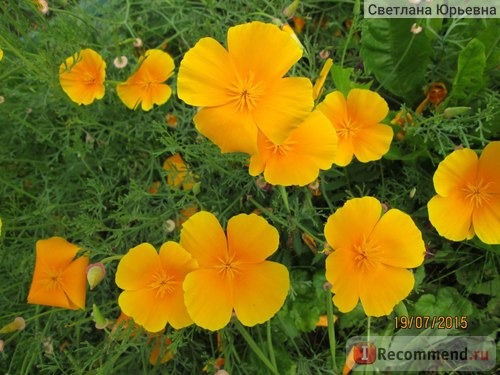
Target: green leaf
<point>447,301</point>
<point>397,57</point>
<point>469,78</point>
<point>342,78</point>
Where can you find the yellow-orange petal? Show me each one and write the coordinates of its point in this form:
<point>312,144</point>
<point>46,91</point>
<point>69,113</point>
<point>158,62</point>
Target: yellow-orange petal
<point>283,107</point>
<point>155,66</point>
<point>344,275</point>
<point>204,75</point>
<point>55,252</point>
<point>373,142</point>
<point>399,240</point>
<point>489,170</point>
<point>135,269</point>
<point>456,170</point>
<point>176,170</point>
<point>39,294</point>
<point>251,238</point>
<point>366,107</point>
<point>334,107</point>
<point>451,216</point>
<point>144,307</point>
<point>74,282</point>
<point>209,298</point>
<point>231,132</point>
<point>260,291</point>
<point>486,220</point>
<point>351,223</point>
<point>203,237</point>
<point>383,288</point>
<point>145,94</point>
<point>263,49</point>
<point>320,81</point>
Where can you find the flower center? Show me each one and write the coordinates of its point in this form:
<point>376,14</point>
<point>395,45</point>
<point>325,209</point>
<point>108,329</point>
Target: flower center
<point>348,129</point>
<point>283,149</point>
<point>246,92</point>
<point>478,194</point>
<point>367,255</point>
<point>162,284</point>
<point>53,281</point>
<point>228,267</point>
<point>89,79</point>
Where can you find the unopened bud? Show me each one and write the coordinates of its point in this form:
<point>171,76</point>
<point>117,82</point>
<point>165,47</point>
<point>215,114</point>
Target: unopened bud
<point>95,274</point>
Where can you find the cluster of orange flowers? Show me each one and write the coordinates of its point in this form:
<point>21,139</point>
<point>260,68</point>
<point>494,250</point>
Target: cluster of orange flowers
<point>82,78</point>
<point>247,105</point>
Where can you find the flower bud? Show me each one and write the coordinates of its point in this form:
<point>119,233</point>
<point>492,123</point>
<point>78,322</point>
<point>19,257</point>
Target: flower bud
<point>95,274</point>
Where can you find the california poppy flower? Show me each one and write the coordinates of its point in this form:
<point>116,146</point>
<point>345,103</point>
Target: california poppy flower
<point>320,81</point>
<point>233,273</point>
<point>371,254</point>
<point>242,90</point>
<point>297,161</point>
<point>58,280</point>
<point>357,122</point>
<point>178,174</point>
<point>146,86</point>
<point>152,284</point>
<point>82,76</point>
<point>468,195</point>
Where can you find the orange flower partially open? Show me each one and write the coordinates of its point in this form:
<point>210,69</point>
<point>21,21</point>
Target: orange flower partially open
<point>82,76</point>
<point>234,274</point>
<point>468,195</point>
<point>297,161</point>
<point>58,280</point>
<point>357,122</point>
<point>178,174</point>
<point>146,86</point>
<point>152,284</point>
<point>242,90</point>
<point>371,254</point>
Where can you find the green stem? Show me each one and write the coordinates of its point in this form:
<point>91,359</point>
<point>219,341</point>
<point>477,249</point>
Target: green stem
<point>284,196</point>
<point>270,344</point>
<point>111,258</point>
<point>331,329</point>
<point>368,329</point>
<point>253,345</point>
<point>352,30</point>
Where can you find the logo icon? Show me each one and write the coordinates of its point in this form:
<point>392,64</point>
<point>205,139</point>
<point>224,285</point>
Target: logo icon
<point>365,353</point>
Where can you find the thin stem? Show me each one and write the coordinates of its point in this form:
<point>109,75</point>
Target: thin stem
<point>284,196</point>
<point>270,344</point>
<point>253,345</point>
<point>331,329</point>
<point>352,30</point>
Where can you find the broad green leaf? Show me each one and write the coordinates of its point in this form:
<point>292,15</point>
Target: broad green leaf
<point>447,301</point>
<point>469,78</point>
<point>342,78</point>
<point>397,57</point>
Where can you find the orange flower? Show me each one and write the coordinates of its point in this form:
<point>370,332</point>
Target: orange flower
<point>152,284</point>
<point>146,85</point>
<point>242,90</point>
<point>468,195</point>
<point>59,279</point>
<point>161,352</point>
<point>178,174</point>
<point>82,76</point>
<point>234,273</point>
<point>371,254</point>
<point>357,122</point>
<point>297,161</point>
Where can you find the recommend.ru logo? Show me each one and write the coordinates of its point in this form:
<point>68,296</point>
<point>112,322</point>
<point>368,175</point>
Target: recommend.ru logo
<point>422,353</point>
